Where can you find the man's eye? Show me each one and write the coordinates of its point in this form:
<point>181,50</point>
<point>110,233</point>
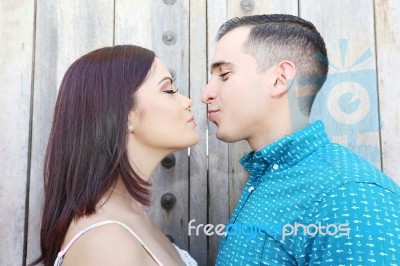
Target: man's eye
<point>224,76</point>
<point>171,91</point>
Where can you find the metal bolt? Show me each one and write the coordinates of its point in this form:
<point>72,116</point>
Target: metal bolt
<point>247,5</point>
<point>168,161</point>
<point>169,2</point>
<point>169,37</point>
<point>168,200</point>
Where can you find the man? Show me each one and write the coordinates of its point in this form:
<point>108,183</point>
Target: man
<point>307,201</point>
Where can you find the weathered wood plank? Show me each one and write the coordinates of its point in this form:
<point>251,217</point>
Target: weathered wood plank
<point>258,7</point>
<point>218,182</point>
<point>155,26</point>
<point>198,154</point>
<point>348,102</point>
<point>16,38</point>
<point>387,14</point>
<point>65,30</point>
<point>134,29</point>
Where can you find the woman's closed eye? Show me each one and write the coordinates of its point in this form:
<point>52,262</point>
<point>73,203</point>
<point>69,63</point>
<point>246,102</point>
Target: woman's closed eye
<point>167,85</point>
<point>171,90</point>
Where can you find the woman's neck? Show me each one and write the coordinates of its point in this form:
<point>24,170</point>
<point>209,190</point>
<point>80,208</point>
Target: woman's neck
<point>144,159</point>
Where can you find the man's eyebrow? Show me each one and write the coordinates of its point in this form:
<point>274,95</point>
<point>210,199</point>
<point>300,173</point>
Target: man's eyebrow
<point>165,78</point>
<point>218,64</point>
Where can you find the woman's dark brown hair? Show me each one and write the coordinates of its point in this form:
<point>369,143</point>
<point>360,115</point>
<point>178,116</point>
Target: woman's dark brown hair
<point>87,152</point>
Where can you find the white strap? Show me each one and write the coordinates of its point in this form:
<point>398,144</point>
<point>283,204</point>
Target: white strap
<point>62,252</point>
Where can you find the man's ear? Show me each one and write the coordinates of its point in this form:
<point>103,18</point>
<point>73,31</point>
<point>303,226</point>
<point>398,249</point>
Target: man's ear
<point>285,75</point>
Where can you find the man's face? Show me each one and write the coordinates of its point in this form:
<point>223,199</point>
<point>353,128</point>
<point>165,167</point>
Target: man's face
<point>237,93</point>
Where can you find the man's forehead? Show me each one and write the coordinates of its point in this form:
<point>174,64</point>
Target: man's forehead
<point>237,33</point>
<point>229,45</point>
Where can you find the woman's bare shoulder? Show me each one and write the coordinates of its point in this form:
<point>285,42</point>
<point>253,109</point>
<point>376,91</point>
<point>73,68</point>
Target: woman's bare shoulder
<point>109,244</point>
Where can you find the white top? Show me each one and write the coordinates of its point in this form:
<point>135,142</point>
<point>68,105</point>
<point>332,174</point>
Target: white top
<point>186,258</point>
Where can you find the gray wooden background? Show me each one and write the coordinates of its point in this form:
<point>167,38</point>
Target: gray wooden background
<point>40,38</point>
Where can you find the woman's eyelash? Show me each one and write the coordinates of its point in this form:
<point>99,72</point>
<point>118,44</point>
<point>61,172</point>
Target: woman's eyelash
<point>172,91</point>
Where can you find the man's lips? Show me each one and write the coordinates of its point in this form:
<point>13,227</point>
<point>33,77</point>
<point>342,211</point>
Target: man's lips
<point>212,114</point>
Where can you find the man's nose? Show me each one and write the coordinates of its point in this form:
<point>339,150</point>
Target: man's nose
<point>209,93</point>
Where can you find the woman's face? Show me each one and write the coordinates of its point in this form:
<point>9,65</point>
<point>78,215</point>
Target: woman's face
<point>162,118</point>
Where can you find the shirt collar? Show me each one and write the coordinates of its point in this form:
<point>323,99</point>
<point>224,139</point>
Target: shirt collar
<point>286,151</point>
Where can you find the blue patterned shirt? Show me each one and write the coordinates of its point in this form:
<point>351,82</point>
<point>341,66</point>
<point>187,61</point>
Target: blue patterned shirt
<point>312,202</point>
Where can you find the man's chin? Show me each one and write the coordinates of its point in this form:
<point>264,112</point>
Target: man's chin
<point>220,134</point>
<point>223,136</point>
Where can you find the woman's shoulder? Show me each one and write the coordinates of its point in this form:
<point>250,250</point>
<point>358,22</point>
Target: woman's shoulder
<point>107,242</point>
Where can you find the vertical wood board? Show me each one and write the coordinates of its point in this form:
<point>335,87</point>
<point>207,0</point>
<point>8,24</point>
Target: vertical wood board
<point>348,103</point>
<point>155,27</point>
<point>387,23</point>
<point>16,38</point>
<point>64,32</point>
<point>198,154</point>
<point>218,183</point>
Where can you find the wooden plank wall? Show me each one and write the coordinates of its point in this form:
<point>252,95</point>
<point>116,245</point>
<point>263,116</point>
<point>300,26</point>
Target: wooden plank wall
<point>63,33</point>
<point>387,28</point>
<point>16,55</point>
<point>348,102</point>
<point>41,38</point>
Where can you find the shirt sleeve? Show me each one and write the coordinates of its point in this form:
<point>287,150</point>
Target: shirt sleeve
<point>357,224</point>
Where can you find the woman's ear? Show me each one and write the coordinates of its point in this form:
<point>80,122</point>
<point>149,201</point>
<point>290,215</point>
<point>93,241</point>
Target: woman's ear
<point>131,123</point>
<point>285,75</point>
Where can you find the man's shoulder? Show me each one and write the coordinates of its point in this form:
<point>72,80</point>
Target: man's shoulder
<point>350,167</point>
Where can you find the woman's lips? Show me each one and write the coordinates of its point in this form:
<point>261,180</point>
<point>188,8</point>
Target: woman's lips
<point>191,120</point>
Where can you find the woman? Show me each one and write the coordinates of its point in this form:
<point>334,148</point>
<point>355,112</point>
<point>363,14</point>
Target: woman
<point>118,114</point>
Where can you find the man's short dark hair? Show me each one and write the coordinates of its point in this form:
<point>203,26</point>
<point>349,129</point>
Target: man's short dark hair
<point>278,37</point>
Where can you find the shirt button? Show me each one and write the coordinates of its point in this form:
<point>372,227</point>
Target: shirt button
<point>251,189</point>
<point>275,166</point>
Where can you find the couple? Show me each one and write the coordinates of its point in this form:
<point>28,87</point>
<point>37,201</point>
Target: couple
<point>118,114</point>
